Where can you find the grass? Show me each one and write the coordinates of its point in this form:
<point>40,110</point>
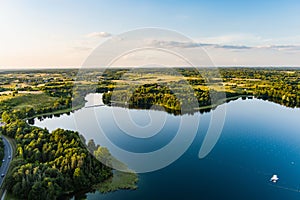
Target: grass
<point>35,100</point>
<point>8,96</point>
<point>123,178</point>
<point>32,100</point>
<point>136,78</point>
<point>119,180</point>
<point>218,88</point>
<point>132,79</point>
<point>21,101</point>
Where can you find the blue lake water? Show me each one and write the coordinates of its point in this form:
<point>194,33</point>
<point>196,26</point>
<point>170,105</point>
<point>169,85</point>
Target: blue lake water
<point>259,139</point>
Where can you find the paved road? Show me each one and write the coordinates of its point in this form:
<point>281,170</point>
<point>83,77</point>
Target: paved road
<point>5,164</point>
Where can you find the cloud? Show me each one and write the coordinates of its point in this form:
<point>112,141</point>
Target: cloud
<point>179,44</point>
<point>98,35</point>
<point>234,47</point>
<point>161,44</point>
<point>88,42</point>
<point>240,38</point>
<point>282,47</point>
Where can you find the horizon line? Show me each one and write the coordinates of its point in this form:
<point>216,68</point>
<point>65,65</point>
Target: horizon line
<point>103,67</point>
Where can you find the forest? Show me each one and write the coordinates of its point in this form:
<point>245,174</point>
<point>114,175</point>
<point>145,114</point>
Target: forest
<point>47,164</point>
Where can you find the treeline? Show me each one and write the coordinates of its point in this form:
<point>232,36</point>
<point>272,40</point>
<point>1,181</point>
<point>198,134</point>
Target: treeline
<point>176,101</point>
<point>279,85</point>
<point>285,95</point>
<point>64,91</point>
<point>49,165</point>
<point>55,97</point>
<point>36,108</point>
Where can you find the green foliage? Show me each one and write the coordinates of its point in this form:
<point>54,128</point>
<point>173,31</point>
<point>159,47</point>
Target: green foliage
<point>280,85</point>
<point>7,117</point>
<point>177,100</point>
<point>120,180</point>
<point>48,165</point>
<point>125,179</point>
<point>277,85</point>
<point>102,154</point>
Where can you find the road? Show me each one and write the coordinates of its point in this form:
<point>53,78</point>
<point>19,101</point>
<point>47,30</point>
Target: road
<point>5,164</point>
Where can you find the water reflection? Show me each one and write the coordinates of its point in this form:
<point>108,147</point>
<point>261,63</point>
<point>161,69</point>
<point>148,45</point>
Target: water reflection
<point>259,139</point>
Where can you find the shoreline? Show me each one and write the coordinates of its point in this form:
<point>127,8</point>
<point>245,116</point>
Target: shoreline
<point>82,105</point>
<point>58,112</point>
<point>197,109</point>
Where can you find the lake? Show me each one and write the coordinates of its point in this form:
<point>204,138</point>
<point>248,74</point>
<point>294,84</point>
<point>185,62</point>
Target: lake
<point>259,139</point>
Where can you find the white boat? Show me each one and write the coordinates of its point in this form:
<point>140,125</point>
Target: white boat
<point>274,178</point>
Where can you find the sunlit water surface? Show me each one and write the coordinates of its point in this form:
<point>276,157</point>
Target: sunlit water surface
<point>259,139</point>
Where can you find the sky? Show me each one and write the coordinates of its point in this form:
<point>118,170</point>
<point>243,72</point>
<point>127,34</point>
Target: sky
<point>63,33</point>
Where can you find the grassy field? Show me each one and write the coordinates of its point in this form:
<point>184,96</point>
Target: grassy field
<point>20,101</point>
<point>120,180</point>
<point>8,95</point>
<point>131,78</point>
